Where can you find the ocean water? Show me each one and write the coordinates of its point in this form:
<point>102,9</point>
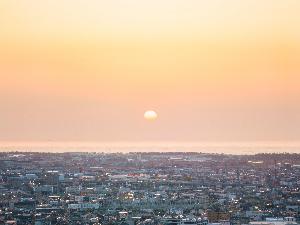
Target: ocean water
<point>236,148</point>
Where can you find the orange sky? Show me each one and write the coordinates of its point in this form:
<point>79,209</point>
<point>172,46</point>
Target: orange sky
<point>220,70</point>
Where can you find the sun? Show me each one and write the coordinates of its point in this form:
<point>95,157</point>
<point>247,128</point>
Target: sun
<point>150,115</point>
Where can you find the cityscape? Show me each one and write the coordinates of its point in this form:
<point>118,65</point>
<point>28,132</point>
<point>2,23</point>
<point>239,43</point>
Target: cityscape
<point>149,188</point>
<point>149,112</point>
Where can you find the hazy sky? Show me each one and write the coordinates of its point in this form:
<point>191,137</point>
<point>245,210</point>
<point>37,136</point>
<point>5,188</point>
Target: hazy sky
<point>213,70</point>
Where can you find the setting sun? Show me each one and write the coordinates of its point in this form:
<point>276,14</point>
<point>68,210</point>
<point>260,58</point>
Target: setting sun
<point>150,115</point>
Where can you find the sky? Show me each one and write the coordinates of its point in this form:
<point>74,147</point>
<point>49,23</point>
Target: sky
<point>218,70</point>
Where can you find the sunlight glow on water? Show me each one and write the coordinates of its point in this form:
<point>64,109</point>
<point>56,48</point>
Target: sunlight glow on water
<point>204,147</point>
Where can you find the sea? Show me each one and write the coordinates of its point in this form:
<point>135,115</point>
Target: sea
<point>234,148</point>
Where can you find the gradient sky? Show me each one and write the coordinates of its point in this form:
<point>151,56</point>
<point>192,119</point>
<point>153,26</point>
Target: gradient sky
<point>217,70</point>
